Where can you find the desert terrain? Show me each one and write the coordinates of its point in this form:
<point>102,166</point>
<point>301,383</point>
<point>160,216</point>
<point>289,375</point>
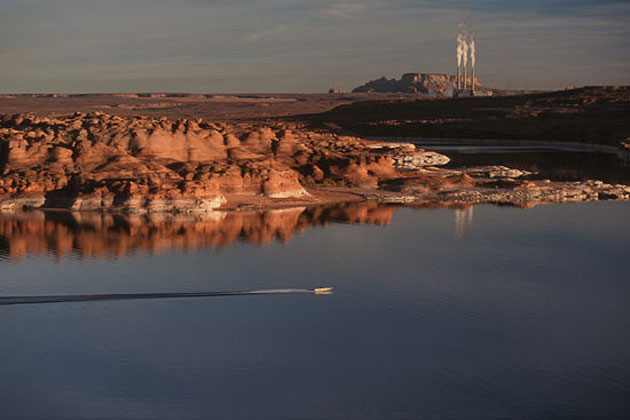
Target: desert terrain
<point>148,153</point>
<point>589,114</point>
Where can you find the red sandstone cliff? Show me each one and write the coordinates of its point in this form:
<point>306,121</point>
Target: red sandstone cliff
<point>97,161</point>
<point>102,162</point>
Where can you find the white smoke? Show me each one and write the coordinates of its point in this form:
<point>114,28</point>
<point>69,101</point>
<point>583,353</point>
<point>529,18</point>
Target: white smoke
<point>465,53</point>
<point>460,49</point>
<point>465,49</point>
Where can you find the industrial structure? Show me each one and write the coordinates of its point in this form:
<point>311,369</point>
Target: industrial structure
<point>465,86</point>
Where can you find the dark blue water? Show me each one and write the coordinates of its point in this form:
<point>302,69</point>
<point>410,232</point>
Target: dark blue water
<point>560,161</point>
<point>484,313</point>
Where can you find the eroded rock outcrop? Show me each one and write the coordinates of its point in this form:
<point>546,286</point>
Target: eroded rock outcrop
<point>98,161</point>
<point>90,162</point>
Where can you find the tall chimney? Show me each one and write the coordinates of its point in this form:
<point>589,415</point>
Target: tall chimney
<point>464,76</point>
<point>472,81</point>
<point>457,79</point>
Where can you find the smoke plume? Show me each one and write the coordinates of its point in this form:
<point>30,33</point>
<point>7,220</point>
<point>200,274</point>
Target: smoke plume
<point>465,50</point>
<point>460,49</point>
<point>465,53</point>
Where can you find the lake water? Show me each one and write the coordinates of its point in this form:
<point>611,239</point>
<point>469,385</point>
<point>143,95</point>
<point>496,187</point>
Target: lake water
<point>561,161</point>
<point>481,312</point>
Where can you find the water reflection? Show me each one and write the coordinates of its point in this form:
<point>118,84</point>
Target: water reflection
<point>559,161</point>
<point>463,220</point>
<point>96,235</point>
<point>526,317</point>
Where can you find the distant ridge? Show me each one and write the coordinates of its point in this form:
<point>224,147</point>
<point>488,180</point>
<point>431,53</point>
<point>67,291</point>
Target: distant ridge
<point>430,84</point>
<point>434,84</point>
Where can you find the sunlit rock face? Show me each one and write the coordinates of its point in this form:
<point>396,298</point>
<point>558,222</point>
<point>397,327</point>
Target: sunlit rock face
<point>97,161</point>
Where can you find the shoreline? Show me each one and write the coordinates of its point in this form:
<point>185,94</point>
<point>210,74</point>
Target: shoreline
<point>149,163</point>
<point>522,193</point>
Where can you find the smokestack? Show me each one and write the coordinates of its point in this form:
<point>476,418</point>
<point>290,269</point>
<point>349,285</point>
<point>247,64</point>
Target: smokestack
<point>460,42</point>
<point>465,59</point>
<point>457,78</point>
<point>464,87</point>
<point>473,59</point>
<point>465,49</point>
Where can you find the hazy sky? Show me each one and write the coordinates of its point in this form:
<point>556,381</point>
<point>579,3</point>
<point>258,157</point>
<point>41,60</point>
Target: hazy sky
<point>303,45</point>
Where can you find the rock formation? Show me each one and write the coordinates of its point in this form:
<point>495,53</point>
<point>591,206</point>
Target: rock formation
<point>97,161</point>
<point>100,162</point>
<point>432,84</point>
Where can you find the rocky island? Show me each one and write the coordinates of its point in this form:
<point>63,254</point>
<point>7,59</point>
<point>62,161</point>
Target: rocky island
<point>99,162</point>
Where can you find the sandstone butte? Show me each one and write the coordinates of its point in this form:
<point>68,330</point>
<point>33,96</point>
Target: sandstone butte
<point>95,161</point>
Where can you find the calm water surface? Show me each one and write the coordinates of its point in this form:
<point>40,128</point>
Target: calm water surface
<point>561,161</point>
<point>484,312</point>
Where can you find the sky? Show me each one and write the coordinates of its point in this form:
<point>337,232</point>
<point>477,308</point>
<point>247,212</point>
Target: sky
<point>238,46</point>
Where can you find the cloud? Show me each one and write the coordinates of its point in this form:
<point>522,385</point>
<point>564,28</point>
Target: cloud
<point>343,9</point>
<point>260,35</point>
<point>90,45</point>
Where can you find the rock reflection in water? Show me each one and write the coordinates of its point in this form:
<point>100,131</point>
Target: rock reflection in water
<point>96,235</point>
